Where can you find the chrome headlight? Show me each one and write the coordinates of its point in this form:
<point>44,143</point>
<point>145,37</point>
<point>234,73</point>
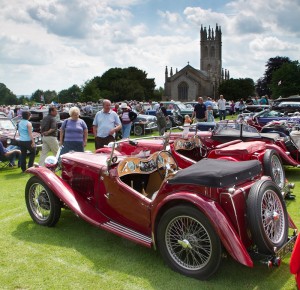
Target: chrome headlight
<point>8,141</point>
<point>51,163</point>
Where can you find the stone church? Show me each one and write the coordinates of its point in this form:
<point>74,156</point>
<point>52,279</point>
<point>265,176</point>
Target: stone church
<point>189,83</point>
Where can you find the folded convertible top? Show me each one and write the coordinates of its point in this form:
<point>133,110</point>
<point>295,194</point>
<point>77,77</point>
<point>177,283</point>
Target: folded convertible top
<point>217,173</point>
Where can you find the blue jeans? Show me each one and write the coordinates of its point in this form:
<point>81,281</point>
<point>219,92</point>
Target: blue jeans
<point>12,158</point>
<point>126,128</point>
<point>222,114</point>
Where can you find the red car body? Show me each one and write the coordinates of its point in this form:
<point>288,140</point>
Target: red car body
<point>144,199</point>
<point>193,148</point>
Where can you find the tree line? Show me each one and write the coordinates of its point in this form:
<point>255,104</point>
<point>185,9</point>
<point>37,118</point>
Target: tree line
<point>281,78</point>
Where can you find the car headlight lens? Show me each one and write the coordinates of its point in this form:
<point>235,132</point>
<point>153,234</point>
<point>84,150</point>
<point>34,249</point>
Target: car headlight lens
<point>8,141</point>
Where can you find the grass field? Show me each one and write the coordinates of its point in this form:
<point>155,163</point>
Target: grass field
<point>76,255</point>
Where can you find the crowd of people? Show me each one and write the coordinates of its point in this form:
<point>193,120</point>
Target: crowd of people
<point>107,122</point>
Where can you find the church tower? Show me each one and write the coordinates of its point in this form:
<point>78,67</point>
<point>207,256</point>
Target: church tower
<point>211,52</point>
<point>189,83</point>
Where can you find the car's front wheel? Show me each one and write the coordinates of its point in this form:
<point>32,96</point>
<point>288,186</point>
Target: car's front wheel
<point>42,204</point>
<point>267,216</point>
<point>188,243</point>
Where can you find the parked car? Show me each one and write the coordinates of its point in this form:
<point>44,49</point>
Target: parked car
<point>10,136</point>
<point>287,105</point>
<point>256,108</point>
<point>143,124</point>
<point>188,150</point>
<point>191,215</point>
<point>175,110</point>
<point>38,115</point>
<point>214,107</point>
<point>262,118</point>
<point>287,148</point>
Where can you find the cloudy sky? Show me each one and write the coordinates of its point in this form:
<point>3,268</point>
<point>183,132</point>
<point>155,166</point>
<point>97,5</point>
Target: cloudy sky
<point>53,44</point>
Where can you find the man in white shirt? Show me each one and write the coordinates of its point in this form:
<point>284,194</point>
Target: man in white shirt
<point>10,113</point>
<point>222,107</point>
<point>106,123</point>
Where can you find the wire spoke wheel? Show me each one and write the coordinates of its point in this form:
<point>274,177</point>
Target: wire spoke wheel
<point>272,213</point>
<point>188,242</point>
<point>273,167</point>
<point>267,216</point>
<point>39,201</point>
<point>42,204</point>
<point>277,170</point>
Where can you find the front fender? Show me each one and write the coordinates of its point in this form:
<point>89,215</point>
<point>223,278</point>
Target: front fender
<point>70,197</point>
<point>218,219</point>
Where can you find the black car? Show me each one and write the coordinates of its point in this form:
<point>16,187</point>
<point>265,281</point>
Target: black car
<point>37,116</point>
<point>287,105</point>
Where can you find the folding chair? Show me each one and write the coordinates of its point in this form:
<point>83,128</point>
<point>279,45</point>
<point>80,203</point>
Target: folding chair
<point>4,162</point>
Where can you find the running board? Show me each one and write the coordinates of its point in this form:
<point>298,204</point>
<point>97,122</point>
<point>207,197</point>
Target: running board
<point>127,233</point>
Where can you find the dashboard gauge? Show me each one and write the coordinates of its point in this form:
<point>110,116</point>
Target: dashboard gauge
<point>131,166</point>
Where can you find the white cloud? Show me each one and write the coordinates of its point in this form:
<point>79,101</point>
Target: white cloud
<point>53,44</point>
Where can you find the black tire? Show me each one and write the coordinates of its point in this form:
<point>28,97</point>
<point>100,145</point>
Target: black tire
<point>273,167</point>
<point>42,204</point>
<point>191,230</point>
<point>138,130</point>
<point>267,216</point>
<point>180,120</point>
<point>170,123</point>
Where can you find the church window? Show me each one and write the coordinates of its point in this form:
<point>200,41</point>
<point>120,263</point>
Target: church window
<point>183,92</point>
<point>205,51</point>
<point>212,51</point>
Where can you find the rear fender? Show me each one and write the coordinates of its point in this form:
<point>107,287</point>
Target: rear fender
<point>70,197</point>
<point>286,158</point>
<point>216,216</point>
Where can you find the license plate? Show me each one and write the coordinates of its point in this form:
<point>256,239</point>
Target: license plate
<point>287,248</point>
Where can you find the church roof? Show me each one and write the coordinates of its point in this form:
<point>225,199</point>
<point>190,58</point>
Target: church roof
<point>190,72</point>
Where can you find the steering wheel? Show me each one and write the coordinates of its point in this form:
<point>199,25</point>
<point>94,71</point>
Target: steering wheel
<point>164,162</point>
<point>202,148</point>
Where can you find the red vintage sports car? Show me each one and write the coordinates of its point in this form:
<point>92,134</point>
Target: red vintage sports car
<point>192,148</point>
<point>287,147</point>
<point>191,215</point>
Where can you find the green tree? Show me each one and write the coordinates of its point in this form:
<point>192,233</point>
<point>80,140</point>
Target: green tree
<point>263,86</point>
<point>6,96</point>
<point>158,94</point>
<point>49,96</point>
<point>286,80</point>
<point>23,100</point>
<point>119,84</point>
<point>235,89</point>
<point>71,95</point>
<point>37,96</point>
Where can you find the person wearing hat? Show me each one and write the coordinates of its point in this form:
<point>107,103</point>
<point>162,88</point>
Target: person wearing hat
<point>127,116</point>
